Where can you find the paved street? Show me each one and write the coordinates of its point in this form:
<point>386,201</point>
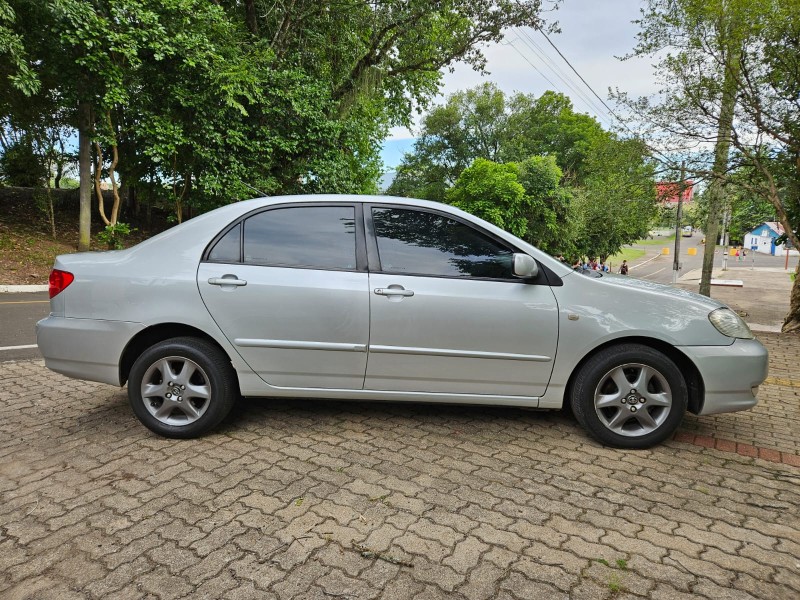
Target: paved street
<point>313,499</point>
<point>657,267</point>
<point>18,316</point>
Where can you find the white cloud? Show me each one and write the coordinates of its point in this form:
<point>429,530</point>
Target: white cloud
<point>401,133</point>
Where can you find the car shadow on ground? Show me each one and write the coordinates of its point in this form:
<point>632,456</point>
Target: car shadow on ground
<point>297,415</point>
<point>112,415</point>
<point>278,417</point>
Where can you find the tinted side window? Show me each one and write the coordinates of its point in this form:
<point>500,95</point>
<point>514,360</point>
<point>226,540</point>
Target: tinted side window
<point>228,249</point>
<point>423,243</point>
<point>309,236</point>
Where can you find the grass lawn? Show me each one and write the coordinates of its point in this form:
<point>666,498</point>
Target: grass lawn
<point>664,239</point>
<point>628,254</point>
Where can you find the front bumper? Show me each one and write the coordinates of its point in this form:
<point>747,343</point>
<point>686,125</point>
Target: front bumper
<point>87,349</point>
<point>730,374</point>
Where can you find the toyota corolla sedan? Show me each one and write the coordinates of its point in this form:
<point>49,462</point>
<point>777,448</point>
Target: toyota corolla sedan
<point>390,299</point>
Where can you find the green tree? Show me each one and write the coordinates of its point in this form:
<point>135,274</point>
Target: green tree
<point>617,203</point>
<point>470,125</point>
<point>492,191</point>
<point>524,198</point>
<point>549,125</point>
<point>200,102</point>
<point>15,70</point>
<point>388,51</point>
<point>20,165</point>
<point>483,123</point>
<point>557,153</point>
<point>768,134</point>
<point>730,77</point>
<point>547,205</point>
<point>699,42</point>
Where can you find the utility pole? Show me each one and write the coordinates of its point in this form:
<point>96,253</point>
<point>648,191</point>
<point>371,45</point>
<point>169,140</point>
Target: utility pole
<point>723,236</point>
<point>723,239</point>
<point>676,263</point>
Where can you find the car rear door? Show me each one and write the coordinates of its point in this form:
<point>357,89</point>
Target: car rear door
<point>447,315</point>
<point>289,289</point>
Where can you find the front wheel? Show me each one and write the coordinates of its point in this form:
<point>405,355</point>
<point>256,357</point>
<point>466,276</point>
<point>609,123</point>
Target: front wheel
<point>182,387</point>
<point>629,396</point>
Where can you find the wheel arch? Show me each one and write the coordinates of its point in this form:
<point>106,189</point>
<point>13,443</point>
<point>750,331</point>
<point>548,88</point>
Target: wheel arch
<point>154,334</point>
<point>694,381</point>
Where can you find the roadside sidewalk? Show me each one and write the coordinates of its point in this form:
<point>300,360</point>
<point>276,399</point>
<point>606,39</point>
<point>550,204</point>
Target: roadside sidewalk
<point>769,430</point>
<point>21,289</point>
<point>762,300</point>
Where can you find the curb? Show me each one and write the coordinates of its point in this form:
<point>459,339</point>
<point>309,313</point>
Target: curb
<point>646,261</point>
<point>18,289</point>
<point>723,445</point>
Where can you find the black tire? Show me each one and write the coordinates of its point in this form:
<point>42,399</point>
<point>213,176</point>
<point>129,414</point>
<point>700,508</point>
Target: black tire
<point>182,387</point>
<point>629,418</point>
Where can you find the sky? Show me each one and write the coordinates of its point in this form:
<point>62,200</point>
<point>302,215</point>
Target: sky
<point>593,34</point>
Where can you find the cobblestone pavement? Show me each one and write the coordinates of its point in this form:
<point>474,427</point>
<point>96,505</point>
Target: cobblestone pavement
<point>773,426</point>
<point>324,500</point>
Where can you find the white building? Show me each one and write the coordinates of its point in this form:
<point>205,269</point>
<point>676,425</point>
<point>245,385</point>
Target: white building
<point>762,239</point>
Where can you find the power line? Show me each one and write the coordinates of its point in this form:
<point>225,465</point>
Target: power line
<point>665,158</point>
<point>568,81</point>
<point>527,60</point>
<point>553,85</point>
<point>574,70</point>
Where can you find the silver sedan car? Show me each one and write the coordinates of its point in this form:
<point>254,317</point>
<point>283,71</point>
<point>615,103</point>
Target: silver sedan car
<point>391,299</point>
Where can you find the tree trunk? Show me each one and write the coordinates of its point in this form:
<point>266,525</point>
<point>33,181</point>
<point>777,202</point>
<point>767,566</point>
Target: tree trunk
<point>59,164</point>
<point>85,171</point>
<point>251,16</point>
<point>721,150</point>
<point>51,213</point>
<point>711,229</point>
<point>98,190</point>
<point>792,320</point>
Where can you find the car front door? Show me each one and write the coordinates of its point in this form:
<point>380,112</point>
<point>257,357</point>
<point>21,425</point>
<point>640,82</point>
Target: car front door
<point>289,289</point>
<point>447,315</point>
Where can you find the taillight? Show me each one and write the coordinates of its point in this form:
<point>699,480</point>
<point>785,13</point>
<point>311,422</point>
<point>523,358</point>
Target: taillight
<point>59,280</point>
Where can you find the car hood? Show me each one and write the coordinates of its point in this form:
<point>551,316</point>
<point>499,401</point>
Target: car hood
<point>632,283</point>
<point>616,305</point>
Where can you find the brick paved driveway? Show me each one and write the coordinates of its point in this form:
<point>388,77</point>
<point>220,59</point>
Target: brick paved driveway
<point>334,500</point>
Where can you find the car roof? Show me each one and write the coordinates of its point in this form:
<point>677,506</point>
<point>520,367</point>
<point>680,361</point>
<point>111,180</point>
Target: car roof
<point>198,231</point>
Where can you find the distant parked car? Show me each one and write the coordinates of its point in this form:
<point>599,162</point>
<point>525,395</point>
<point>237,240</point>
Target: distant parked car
<point>380,298</point>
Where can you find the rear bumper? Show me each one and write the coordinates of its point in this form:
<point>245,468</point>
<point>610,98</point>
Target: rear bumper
<point>87,349</point>
<point>730,374</point>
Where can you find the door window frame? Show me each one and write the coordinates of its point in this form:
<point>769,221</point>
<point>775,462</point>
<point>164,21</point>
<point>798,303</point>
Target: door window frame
<point>360,236</point>
<point>374,255</point>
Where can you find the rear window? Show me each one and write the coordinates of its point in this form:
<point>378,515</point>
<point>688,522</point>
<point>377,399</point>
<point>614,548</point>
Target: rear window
<point>320,237</point>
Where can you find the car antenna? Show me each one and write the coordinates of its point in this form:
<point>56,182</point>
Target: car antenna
<point>254,189</point>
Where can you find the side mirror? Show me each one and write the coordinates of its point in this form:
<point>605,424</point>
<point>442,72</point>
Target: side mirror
<point>525,267</point>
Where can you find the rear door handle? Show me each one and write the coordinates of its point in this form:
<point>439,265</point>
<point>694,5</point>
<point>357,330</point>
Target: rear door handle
<point>393,292</point>
<point>227,280</point>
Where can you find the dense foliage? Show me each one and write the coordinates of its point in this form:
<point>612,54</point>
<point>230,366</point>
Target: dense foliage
<point>192,104</point>
<point>534,167</point>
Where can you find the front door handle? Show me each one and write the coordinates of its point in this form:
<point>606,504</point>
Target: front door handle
<point>390,291</point>
<point>227,280</point>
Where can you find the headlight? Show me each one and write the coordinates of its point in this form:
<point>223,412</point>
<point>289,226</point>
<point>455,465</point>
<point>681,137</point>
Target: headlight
<point>729,323</point>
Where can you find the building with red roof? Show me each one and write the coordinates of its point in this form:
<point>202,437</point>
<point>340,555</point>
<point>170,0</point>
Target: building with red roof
<point>668,191</point>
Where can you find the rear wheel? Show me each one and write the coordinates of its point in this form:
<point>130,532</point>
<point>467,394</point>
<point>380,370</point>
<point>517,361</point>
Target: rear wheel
<point>629,396</point>
<point>182,387</point>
